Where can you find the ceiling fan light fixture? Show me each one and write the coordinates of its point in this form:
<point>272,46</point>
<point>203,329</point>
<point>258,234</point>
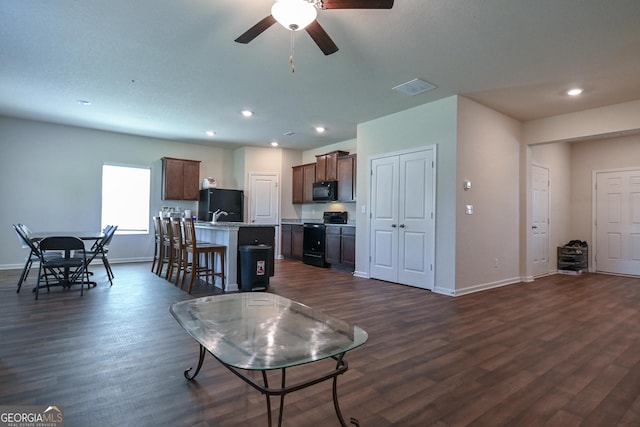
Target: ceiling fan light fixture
<point>294,15</point>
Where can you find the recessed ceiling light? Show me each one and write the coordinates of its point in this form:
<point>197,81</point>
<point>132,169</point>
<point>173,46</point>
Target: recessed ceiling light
<point>211,133</point>
<point>320,129</point>
<point>274,143</point>
<point>247,113</point>
<point>84,102</point>
<point>574,92</point>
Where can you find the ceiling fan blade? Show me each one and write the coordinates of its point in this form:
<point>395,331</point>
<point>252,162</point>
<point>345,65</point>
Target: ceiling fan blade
<point>322,39</point>
<point>256,30</point>
<point>357,4</point>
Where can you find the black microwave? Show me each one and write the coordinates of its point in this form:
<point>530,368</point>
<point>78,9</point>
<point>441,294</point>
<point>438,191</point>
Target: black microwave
<point>325,191</point>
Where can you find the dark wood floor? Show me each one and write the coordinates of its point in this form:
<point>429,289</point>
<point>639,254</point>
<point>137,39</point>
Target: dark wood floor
<point>560,351</point>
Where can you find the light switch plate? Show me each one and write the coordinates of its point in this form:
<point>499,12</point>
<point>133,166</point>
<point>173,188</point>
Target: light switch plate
<point>468,210</point>
<point>467,184</point>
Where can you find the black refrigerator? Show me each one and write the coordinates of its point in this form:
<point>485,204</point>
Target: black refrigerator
<point>229,201</point>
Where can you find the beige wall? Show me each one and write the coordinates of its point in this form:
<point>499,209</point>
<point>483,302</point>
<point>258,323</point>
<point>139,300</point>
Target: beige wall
<point>609,121</point>
<point>290,158</point>
<point>488,241</point>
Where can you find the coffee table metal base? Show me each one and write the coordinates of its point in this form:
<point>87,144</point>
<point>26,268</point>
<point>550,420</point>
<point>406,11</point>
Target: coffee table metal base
<point>341,368</point>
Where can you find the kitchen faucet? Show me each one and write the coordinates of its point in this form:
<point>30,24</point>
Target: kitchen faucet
<point>217,214</point>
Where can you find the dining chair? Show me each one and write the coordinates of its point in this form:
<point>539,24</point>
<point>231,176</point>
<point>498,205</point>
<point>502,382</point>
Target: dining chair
<point>177,250</point>
<point>67,269</point>
<point>157,248</point>
<point>101,249</point>
<point>34,253</point>
<point>208,251</point>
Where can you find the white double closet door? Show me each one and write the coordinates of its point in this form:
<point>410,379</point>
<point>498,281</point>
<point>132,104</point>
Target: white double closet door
<point>402,218</point>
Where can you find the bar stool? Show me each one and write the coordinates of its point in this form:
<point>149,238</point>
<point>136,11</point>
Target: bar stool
<point>177,250</point>
<point>157,248</point>
<point>165,257</point>
<point>209,250</point>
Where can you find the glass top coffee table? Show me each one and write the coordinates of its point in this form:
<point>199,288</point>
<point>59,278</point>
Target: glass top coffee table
<point>264,332</point>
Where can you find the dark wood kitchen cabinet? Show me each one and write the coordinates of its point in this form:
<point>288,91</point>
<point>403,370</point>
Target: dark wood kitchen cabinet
<point>327,165</point>
<point>303,177</point>
<point>180,179</point>
<point>340,247</point>
<point>347,178</point>
<point>297,233</point>
<point>291,241</point>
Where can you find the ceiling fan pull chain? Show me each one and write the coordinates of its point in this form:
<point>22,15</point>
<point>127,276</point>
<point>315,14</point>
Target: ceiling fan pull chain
<point>293,67</point>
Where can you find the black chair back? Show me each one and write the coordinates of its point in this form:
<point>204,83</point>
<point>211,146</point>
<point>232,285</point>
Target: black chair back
<point>61,243</point>
<point>66,269</point>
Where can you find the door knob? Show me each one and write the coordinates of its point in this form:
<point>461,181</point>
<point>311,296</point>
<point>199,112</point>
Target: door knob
<point>401,225</point>
<point>393,225</point>
<point>534,227</point>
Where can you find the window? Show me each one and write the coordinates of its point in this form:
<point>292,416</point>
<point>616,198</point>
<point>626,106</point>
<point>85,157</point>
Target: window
<point>126,191</point>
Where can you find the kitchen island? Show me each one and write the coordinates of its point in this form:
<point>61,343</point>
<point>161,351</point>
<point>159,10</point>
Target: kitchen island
<point>233,235</point>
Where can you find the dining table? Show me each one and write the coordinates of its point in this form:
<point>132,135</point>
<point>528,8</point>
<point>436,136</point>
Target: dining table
<point>87,235</point>
<point>264,332</point>
<point>36,236</point>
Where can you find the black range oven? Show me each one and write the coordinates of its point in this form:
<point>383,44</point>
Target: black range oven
<point>313,244</point>
<point>313,241</point>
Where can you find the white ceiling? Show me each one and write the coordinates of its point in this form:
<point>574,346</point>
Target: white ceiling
<point>170,68</point>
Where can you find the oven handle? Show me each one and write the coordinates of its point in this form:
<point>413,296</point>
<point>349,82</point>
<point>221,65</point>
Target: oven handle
<point>312,255</point>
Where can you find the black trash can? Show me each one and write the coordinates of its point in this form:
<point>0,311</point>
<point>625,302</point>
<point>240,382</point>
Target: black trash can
<point>254,267</point>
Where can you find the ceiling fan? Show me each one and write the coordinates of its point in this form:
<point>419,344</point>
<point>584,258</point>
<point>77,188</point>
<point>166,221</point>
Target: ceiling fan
<point>296,15</point>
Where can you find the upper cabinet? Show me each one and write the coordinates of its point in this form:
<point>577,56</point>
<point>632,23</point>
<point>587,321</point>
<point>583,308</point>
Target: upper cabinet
<point>327,165</point>
<point>180,179</point>
<point>334,166</point>
<point>347,178</point>
<point>303,178</point>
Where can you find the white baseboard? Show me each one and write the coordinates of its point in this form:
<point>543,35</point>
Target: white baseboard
<point>487,286</point>
<point>361,274</point>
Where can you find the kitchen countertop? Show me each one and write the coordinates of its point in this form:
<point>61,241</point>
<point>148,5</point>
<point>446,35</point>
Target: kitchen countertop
<point>226,224</point>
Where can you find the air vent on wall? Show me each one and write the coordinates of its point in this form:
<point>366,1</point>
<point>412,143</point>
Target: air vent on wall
<point>414,87</point>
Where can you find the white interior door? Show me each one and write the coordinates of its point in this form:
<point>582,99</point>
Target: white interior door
<point>540,221</point>
<point>402,226</point>
<point>384,218</point>
<point>618,222</point>
<point>415,220</point>
<point>263,198</point>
